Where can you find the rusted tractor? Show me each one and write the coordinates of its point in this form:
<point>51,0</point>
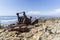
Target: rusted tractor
<point>23,22</point>
<point>23,19</point>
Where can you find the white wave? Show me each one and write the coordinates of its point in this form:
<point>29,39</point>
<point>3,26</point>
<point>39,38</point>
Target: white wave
<point>7,22</point>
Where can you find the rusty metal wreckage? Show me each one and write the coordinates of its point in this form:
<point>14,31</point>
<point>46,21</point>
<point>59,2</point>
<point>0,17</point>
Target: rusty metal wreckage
<point>23,22</point>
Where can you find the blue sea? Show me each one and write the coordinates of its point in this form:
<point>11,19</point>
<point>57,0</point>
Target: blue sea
<point>6,20</point>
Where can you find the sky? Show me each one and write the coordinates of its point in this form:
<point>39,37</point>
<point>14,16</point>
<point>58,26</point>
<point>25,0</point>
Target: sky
<point>31,7</point>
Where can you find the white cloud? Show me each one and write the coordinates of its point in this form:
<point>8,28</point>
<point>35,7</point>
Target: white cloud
<point>54,12</point>
<point>33,13</point>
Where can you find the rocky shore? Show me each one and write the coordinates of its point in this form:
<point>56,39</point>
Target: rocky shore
<point>46,29</point>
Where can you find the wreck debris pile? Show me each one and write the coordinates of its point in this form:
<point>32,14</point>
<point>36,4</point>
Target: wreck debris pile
<point>23,22</point>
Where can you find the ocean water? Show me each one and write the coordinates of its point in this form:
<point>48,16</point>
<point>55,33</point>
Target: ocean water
<point>6,20</point>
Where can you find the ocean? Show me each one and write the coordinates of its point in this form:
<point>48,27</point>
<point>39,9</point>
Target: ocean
<point>6,20</point>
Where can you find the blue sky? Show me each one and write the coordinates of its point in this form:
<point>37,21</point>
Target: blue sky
<point>32,7</point>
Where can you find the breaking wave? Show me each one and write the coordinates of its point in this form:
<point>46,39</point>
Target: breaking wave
<point>7,20</point>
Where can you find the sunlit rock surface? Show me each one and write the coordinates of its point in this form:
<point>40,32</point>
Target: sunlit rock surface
<point>46,29</point>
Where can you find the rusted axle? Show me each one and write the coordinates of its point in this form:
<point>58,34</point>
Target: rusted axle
<point>21,28</point>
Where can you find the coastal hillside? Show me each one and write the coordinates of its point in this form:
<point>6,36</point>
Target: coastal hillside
<point>45,29</point>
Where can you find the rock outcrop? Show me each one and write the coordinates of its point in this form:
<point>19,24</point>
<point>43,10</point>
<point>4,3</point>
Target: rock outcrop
<point>46,30</point>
